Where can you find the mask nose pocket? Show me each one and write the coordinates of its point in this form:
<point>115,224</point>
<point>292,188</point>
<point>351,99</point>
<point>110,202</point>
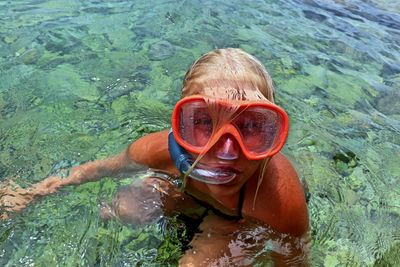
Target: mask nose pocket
<point>227,148</point>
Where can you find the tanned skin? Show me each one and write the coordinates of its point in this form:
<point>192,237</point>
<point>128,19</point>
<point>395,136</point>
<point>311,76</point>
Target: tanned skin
<point>280,201</point>
<point>281,192</point>
<point>272,196</point>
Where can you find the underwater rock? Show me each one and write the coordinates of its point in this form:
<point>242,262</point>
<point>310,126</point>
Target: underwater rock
<point>336,11</point>
<point>66,41</point>
<point>214,13</point>
<point>388,102</point>
<point>345,162</point>
<point>373,14</point>
<point>332,64</point>
<point>143,32</point>
<point>89,105</point>
<point>66,81</point>
<point>99,10</point>
<point>140,75</point>
<point>31,56</point>
<point>161,50</point>
<point>390,258</point>
<point>97,42</point>
<point>63,164</point>
<point>122,87</point>
<point>9,39</point>
<point>8,110</point>
<point>356,179</point>
<point>390,69</point>
<point>172,17</point>
<point>347,157</point>
<point>314,16</point>
<point>319,92</point>
<point>120,105</point>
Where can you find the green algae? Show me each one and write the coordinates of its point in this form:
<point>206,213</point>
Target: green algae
<point>64,80</point>
<point>120,105</point>
<point>107,243</point>
<point>79,81</point>
<point>9,39</point>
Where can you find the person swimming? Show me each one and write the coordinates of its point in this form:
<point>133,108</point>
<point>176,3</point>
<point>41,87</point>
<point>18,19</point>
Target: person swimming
<point>223,150</point>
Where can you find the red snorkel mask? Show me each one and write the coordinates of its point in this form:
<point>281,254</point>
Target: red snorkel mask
<point>259,127</point>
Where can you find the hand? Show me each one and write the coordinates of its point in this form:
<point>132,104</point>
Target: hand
<point>14,198</point>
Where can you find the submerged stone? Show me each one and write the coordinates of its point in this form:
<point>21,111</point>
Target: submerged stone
<point>389,68</point>
<point>357,179</point>
<point>9,39</point>
<point>66,81</point>
<point>161,50</point>
<point>345,162</point>
<point>314,16</point>
<point>31,56</point>
<point>388,102</point>
<point>120,105</point>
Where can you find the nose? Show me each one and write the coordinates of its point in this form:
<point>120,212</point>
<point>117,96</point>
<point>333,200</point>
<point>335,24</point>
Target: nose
<point>227,148</point>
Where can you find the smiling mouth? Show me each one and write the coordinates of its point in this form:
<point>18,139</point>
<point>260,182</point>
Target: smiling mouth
<point>213,175</point>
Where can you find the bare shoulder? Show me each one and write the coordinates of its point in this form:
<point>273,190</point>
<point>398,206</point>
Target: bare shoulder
<point>280,200</point>
<point>152,150</point>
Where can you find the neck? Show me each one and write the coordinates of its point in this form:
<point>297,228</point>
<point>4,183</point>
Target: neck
<point>223,197</point>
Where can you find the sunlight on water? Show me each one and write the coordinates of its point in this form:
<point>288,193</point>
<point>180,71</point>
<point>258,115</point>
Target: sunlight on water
<point>81,80</point>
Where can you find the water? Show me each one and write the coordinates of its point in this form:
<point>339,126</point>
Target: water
<point>81,80</point>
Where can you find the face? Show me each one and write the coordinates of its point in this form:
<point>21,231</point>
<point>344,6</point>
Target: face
<point>226,153</point>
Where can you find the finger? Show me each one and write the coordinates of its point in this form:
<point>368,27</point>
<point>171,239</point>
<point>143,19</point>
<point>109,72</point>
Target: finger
<point>4,216</point>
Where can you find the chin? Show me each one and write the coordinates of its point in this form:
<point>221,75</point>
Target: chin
<point>228,188</point>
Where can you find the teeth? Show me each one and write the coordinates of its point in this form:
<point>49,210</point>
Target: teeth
<point>211,176</point>
<point>213,173</point>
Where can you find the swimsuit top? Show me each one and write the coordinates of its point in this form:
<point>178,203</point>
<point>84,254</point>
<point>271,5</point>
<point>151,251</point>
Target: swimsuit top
<point>216,211</point>
<point>176,181</point>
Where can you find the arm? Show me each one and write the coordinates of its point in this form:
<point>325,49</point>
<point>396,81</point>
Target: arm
<point>148,151</point>
<point>135,204</point>
<point>140,155</point>
<point>117,166</point>
<point>285,206</point>
<point>14,198</point>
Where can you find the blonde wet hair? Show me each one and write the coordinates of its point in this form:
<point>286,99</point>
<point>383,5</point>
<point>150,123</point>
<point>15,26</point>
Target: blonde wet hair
<point>241,76</point>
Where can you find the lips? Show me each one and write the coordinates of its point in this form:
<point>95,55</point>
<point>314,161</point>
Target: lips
<point>213,174</point>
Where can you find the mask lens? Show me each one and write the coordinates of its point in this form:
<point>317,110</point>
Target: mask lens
<point>259,128</point>
<point>195,123</point>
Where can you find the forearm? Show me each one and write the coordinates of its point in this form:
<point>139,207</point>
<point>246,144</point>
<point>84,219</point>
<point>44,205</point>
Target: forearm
<point>117,166</point>
<point>15,198</point>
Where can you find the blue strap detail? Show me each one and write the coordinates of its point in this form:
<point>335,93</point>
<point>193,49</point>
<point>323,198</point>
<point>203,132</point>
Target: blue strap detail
<point>178,154</point>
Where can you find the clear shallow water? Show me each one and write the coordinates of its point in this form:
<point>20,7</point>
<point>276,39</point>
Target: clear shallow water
<point>79,81</point>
